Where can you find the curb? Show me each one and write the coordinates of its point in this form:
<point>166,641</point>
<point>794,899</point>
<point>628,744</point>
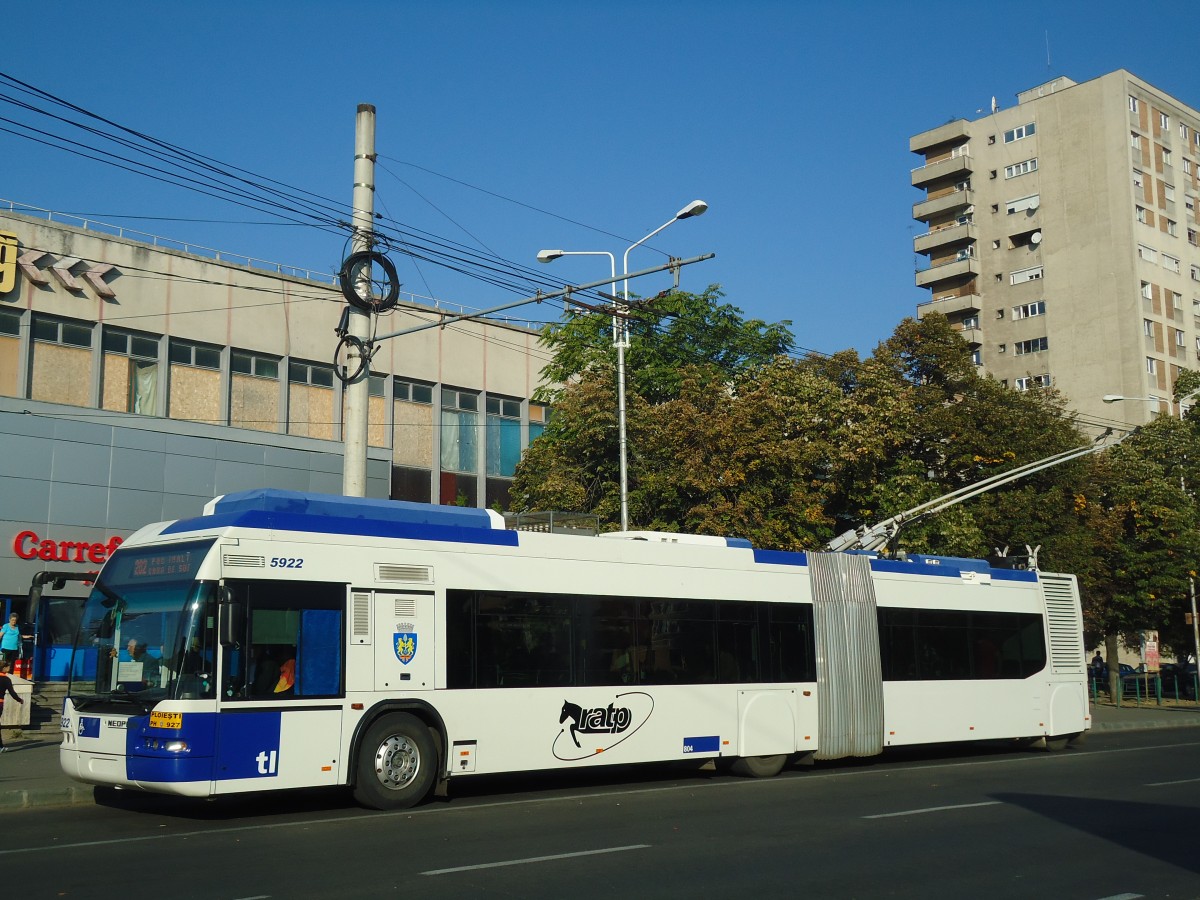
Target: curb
<point>46,798</point>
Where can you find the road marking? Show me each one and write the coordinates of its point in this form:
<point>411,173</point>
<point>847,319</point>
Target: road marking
<point>745,784</point>
<point>929,809</point>
<point>1166,783</point>
<point>1124,897</point>
<point>535,859</point>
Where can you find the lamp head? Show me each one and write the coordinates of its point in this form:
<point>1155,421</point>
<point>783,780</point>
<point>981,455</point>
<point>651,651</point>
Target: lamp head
<point>547,256</point>
<point>695,208</point>
<point>1112,398</point>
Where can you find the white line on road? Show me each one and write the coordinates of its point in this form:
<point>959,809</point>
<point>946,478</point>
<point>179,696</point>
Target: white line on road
<point>1124,897</point>
<point>1166,783</point>
<point>535,859</point>
<point>929,809</point>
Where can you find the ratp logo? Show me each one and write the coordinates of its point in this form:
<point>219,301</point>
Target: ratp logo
<point>404,642</point>
<point>612,724</point>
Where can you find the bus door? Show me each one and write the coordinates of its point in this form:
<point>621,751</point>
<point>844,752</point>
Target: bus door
<point>282,685</point>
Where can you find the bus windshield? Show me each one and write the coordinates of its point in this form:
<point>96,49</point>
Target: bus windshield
<point>148,630</point>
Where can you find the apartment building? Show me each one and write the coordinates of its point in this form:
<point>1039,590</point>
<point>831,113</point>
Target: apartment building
<point>1061,238</point>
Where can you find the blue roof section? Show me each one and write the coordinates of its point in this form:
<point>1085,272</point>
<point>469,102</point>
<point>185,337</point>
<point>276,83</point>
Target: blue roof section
<point>333,514</point>
<point>781,557</point>
<point>948,567</point>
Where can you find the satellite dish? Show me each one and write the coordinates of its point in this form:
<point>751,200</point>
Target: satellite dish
<point>1035,238</point>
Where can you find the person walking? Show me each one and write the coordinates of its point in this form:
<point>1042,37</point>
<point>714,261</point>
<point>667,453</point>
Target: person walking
<point>6,687</point>
<point>10,639</point>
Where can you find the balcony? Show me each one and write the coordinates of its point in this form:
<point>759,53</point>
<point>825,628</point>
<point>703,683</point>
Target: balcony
<point>973,336</point>
<point>955,234</point>
<point>959,200</point>
<point>956,268</point>
<point>958,167</point>
<point>952,132</point>
<point>969,304</point>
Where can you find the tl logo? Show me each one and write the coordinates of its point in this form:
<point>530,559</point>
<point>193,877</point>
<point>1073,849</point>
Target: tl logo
<point>268,762</point>
<point>404,642</point>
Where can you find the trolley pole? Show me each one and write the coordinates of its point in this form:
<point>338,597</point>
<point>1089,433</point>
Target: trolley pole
<point>354,433</point>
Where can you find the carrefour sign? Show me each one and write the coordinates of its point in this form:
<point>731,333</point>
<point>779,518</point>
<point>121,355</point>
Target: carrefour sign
<point>28,545</point>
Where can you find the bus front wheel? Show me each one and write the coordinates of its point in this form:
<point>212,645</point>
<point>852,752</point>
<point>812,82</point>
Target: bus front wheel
<point>397,764</point>
<point>758,766</point>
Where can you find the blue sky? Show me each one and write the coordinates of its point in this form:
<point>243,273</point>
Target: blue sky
<point>509,127</point>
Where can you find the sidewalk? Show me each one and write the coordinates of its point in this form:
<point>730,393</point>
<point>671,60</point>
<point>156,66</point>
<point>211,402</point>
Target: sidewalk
<point>30,776</point>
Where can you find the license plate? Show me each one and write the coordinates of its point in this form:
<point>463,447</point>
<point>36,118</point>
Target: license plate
<point>166,720</point>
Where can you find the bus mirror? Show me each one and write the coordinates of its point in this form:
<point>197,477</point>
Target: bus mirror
<point>232,618</point>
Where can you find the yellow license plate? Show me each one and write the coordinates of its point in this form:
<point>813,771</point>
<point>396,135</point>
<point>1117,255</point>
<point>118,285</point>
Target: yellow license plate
<point>166,720</point>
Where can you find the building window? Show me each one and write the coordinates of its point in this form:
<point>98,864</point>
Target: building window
<point>1183,130</point>
<point>253,391</point>
<point>460,419</point>
<point>1189,201</point>
<point>1022,168</point>
<point>1164,121</point>
<point>310,400</point>
<point>130,373</point>
<point>1195,273</point>
<point>1166,154</point>
<point>1139,180</point>
<point>1032,381</point>
<point>1169,192</point>
<point>1021,131</point>
<point>1187,168</point>
<point>195,386</point>
<point>503,436</point>
<point>1192,237</point>
<point>1140,211</point>
<point>1030,274</point>
<point>1023,203</point>
<point>1149,254</point>
<point>1177,301</point>
<point>1036,345</point>
<point>1147,328</point>
<point>1028,310</point>
<point>1135,140</point>
<point>1170,263</point>
<point>1133,103</point>
<point>62,361</point>
<point>977,357</point>
<point>1179,339</point>
<point>10,351</point>
<point>1172,228</point>
<point>1151,366</point>
<point>412,440</point>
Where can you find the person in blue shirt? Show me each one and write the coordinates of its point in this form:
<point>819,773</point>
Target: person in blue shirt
<point>10,640</point>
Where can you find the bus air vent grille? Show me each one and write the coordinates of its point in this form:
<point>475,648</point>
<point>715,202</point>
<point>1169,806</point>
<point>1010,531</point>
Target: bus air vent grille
<point>409,574</point>
<point>361,617</point>
<point>1064,622</point>
<point>406,606</point>
<point>250,562</point>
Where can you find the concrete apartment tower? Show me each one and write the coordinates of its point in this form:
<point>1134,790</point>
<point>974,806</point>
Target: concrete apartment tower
<point>1062,240</point>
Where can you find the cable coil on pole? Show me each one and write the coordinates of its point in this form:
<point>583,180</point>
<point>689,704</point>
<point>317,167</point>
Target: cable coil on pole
<point>352,282</point>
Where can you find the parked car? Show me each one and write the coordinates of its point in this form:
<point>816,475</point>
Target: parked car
<point>1178,680</point>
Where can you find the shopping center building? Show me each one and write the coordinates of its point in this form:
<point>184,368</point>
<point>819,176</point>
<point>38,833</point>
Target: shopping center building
<point>140,378</point>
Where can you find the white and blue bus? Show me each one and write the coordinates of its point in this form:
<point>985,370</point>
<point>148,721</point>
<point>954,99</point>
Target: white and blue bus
<point>287,640</point>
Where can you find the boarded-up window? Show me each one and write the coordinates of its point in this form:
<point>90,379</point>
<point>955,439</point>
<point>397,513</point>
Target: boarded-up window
<point>10,351</point>
<point>412,424</point>
<point>62,361</point>
<point>254,391</point>
<point>195,382</point>
<point>310,401</point>
<point>130,372</point>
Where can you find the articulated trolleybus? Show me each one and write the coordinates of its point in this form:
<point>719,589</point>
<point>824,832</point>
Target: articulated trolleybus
<point>286,640</point>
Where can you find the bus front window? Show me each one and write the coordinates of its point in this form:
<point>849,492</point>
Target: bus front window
<point>147,632</point>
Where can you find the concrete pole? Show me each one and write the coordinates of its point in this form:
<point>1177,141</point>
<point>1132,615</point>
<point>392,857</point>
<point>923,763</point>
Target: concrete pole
<point>358,396</point>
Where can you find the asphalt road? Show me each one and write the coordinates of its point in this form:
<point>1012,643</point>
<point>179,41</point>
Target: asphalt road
<point>1114,818</point>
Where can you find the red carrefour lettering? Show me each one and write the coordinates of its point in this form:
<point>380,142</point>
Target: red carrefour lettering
<point>19,544</point>
<point>28,545</point>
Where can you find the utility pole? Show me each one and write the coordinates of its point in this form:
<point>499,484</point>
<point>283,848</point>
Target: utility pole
<point>354,434</point>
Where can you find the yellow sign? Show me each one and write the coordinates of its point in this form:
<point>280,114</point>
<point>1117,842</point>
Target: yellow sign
<point>8,261</point>
<point>166,720</point>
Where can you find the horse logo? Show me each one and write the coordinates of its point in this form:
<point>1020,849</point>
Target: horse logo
<point>609,721</point>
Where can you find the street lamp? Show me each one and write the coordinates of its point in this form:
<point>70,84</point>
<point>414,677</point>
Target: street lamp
<point>1113,398</point>
<point>621,334</point>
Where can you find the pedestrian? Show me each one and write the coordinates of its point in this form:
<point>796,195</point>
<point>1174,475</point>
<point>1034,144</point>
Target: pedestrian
<point>6,687</point>
<point>10,640</point>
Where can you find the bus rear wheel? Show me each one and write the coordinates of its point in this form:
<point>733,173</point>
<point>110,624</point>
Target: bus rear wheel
<point>397,763</point>
<point>758,766</point>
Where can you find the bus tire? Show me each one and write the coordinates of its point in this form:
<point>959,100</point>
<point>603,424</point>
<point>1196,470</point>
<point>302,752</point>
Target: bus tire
<point>1057,743</point>
<point>758,766</point>
<point>397,763</point>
